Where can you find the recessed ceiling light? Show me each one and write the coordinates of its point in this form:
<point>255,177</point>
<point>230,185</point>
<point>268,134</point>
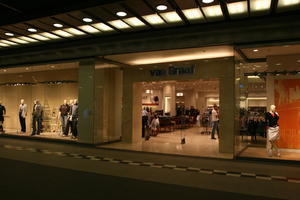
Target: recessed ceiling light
<point>298,61</point>
<point>9,34</point>
<point>260,5</point>
<point>86,19</point>
<point>283,3</point>
<point>89,29</point>
<point>161,7</point>
<point>103,27</point>
<point>213,11</point>
<point>193,13</point>
<point>33,30</point>
<point>18,40</point>
<point>278,64</point>
<point>255,50</point>
<point>27,68</point>
<point>4,70</point>
<point>207,1</point>
<point>58,25</point>
<point>121,14</point>
<point>171,16</point>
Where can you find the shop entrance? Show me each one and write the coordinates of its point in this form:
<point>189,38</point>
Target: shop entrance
<point>178,116</point>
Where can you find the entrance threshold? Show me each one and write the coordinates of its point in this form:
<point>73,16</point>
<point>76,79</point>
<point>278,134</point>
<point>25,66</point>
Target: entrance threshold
<point>168,149</point>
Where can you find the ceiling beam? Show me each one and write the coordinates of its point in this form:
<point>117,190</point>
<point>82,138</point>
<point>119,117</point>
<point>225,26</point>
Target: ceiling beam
<point>178,10</point>
<point>10,7</point>
<point>154,10</point>
<point>197,2</point>
<point>274,4</point>
<point>223,5</point>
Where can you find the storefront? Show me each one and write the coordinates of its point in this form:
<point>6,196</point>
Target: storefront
<point>162,89</point>
<point>270,87</point>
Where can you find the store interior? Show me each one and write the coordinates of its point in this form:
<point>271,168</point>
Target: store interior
<point>52,85</point>
<point>262,84</point>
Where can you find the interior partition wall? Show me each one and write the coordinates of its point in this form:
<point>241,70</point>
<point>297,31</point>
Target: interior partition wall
<point>222,69</point>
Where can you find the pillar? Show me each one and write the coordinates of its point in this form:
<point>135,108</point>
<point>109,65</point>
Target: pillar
<point>169,105</point>
<point>86,101</point>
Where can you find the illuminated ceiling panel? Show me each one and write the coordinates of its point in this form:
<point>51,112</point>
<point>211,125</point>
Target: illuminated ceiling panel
<point>260,5</point>
<point>286,3</point>
<point>171,17</point>
<point>212,11</point>
<point>154,19</point>
<point>119,24</point>
<point>193,14</point>
<point>237,8</point>
<point>133,21</point>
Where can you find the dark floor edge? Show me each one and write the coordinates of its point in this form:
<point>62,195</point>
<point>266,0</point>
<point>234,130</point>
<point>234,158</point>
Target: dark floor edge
<point>294,163</point>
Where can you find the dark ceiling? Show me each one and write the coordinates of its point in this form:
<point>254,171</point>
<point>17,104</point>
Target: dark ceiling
<point>14,11</point>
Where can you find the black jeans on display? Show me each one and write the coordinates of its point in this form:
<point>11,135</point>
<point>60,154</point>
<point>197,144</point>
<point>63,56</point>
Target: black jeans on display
<point>74,128</point>
<point>36,125</point>
<point>23,123</point>
<point>68,127</point>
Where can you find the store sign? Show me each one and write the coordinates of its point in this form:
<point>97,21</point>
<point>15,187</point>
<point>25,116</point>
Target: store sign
<point>173,71</point>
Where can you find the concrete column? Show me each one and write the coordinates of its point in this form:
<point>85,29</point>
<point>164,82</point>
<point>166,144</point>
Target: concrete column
<point>169,92</point>
<point>86,101</point>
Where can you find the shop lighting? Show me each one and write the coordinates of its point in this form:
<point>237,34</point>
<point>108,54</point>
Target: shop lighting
<point>119,24</point>
<point>121,14</point>
<point>86,19</point>
<point>237,7</point>
<point>3,45</point>
<point>74,31</point>
<point>298,61</point>
<point>171,16</point>
<point>260,5</point>
<point>179,94</point>
<point>18,41</point>
<point>33,30</point>
<point>255,50</point>
<point>161,7</point>
<point>50,35</point>
<point>133,21</point>
<point>207,1</point>
<point>284,3</point>
<point>28,39</point>
<point>103,27</point>
<point>62,33</point>
<point>193,13</point>
<point>39,37</point>
<point>212,11</point>
<point>9,34</point>
<point>58,25</point>
<point>153,19</point>
<point>253,77</point>
<point>89,29</point>
<point>8,42</point>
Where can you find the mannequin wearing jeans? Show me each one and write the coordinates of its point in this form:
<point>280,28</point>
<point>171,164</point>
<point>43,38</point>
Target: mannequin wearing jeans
<point>69,120</point>
<point>273,135</point>
<point>22,115</point>
<point>37,117</point>
<point>64,109</point>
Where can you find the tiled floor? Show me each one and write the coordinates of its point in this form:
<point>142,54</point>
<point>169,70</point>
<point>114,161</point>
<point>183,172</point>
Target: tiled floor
<point>197,144</point>
<point>260,152</point>
<point>51,135</point>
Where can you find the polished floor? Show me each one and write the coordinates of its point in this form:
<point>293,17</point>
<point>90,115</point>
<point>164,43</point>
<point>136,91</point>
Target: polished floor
<point>197,144</point>
<point>51,135</point>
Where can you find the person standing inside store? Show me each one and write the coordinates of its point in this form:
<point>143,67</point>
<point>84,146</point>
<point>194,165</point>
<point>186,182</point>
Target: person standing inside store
<point>22,115</point>
<point>154,125</point>
<point>2,113</point>
<point>215,121</point>
<point>37,117</point>
<point>273,135</point>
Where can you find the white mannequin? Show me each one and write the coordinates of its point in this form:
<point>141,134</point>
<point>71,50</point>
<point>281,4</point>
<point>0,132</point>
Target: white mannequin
<point>272,132</point>
<point>65,102</point>
<point>75,101</point>
<point>22,115</point>
<point>71,102</point>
